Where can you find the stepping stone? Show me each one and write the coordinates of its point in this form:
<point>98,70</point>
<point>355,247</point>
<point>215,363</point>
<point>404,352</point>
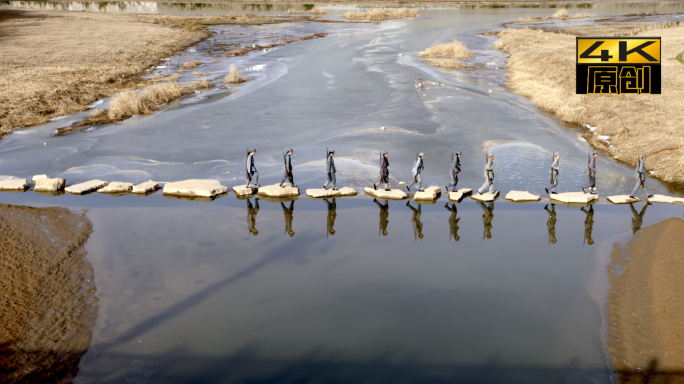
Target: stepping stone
<point>276,191</point>
<point>195,188</point>
<point>485,197</point>
<point>459,194</point>
<point>13,185</point>
<point>39,177</point>
<point>116,187</point>
<point>49,185</point>
<point>241,190</point>
<point>622,199</point>
<point>574,197</point>
<point>522,196</point>
<point>88,186</point>
<point>430,193</point>
<point>392,194</point>
<point>321,192</point>
<point>146,187</point>
<point>665,199</point>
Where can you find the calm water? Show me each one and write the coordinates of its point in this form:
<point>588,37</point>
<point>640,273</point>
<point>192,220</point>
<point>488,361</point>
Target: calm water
<point>189,294</point>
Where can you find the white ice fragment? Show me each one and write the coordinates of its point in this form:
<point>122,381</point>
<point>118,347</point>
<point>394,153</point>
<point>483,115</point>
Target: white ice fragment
<point>590,127</point>
<point>604,138</point>
<point>652,172</point>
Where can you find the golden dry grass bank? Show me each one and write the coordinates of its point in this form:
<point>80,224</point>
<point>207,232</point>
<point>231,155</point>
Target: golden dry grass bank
<point>542,67</point>
<point>377,14</point>
<point>56,63</point>
<point>446,55</point>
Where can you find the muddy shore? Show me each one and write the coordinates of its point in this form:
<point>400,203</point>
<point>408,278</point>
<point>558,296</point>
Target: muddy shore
<point>47,304</point>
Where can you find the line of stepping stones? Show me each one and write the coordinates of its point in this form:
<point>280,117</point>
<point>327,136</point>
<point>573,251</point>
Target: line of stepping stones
<point>207,188</point>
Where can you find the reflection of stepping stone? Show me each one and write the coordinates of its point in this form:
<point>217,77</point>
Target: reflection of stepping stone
<point>88,186</point>
<point>116,187</point>
<point>49,185</point>
<point>282,199</point>
<point>485,197</point>
<point>146,187</point>
<point>622,199</point>
<point>429,193</point>
<point>276,191</point>
<point>574,197</point>
<point>459,194</point>
<point>392,194</point>
<point>665,199</point>
<point>522,196</point>
<point>195,188</point>
<point>322,192</point>
<point>241,190</point>
<point>13,185</point>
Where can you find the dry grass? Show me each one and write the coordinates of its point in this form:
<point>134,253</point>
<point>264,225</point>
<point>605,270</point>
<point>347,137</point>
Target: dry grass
<point>192,64</point>
<point>377,14</point>
<point>446,55</point>
<point>542,67</point>
<point>127,104</point>
<point>200,74</point>
<point>316,11</point>
<point>561,14</point>
<point>234,76</point>
<point>57,63</point>
<point>161,79</point>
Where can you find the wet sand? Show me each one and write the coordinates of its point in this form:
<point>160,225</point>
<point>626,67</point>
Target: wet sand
<point>646,305</point>
<point>46,306</point>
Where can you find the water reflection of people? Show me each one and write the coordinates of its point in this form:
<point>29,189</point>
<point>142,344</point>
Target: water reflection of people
<point>588,224</point>
<point>384,213</point>
<point>287,212</point>
<point>487,218</point>
<point>551,223</point>
<point>251,216</point>
<point>332,215</point>
<point>415,220</point>
<point>638,217</point>
<point>453,221</point>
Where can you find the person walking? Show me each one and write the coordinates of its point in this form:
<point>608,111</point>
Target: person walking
<point>591,186</point>
<point>455,170</point>
<point>640,175</point>
<point>489,175</point>
<point>252,173</point>
<point>384,171</point>
<point>330,168</point>
<point>418,167</point>
<point>555,168</point>
<point>287,158</point>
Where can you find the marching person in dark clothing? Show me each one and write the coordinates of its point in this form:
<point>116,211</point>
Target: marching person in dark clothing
<point>487,218</point>
<point>418,167</point>
<point>251,216</point>
<point>588,224</point>
<point>592,175</point>
<point>638,218</point>
<point>287,212</point>
<point>384,214</point>
<point>251,169</point>
<point>415,220</point>
<point>384,171</point>
<point>640,175</point>
<point>288,169</point>
<point>332,215</point>
<point>555,168</point>
<point>455,170</point>
<point>330,168</point>
<point>453,222</point>
<point>551,223</point>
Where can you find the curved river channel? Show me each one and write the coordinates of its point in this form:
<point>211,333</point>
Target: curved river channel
<point>188,294</point>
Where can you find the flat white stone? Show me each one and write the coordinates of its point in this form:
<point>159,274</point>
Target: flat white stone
<point>276,190</point>
<point>241,190</point>
<point>195,188</point>
<point>116,187</point>
<point>485,197</point>
<point>666,199</point>
<point>622,199</point>
<point>49,185</point>
<point>393,194</point>
<point>321,192</point>
<point>145,187</point>
<point>458,195</point>
<point>574,197</point>
<point>429,193</point>
<point>13,185</point>
<point>88,186</point>
<point>522,196</point>
<point>39,177</point>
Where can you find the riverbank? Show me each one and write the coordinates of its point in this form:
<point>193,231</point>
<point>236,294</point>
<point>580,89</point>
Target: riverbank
<point>47,303</point>
<point>542,67</point>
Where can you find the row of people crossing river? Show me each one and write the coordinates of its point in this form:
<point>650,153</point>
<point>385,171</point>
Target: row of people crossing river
<point>419,166</point>
<point>487,219</point>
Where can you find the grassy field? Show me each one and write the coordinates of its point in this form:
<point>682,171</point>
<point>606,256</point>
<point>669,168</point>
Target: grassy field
<point>542,67</point>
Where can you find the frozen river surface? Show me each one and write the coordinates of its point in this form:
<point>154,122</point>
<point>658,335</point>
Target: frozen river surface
<point>188,294</point>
